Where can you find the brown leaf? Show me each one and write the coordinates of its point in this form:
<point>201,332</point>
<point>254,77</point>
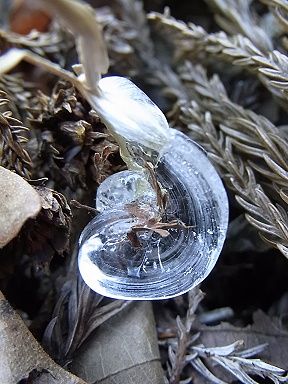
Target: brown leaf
<point>18,202</point>
<point>123,350</point>
<point>263,330</point>
<point>22,357</point>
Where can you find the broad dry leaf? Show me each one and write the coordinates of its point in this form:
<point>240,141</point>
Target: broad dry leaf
<point>263,330</point>
<point>123,350</point>
<point>21,357</point>
<point>18,202</point>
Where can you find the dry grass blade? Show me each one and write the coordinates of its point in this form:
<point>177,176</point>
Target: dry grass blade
<point>13,154</point>
<point>190,41</point>
<point>236,17</point>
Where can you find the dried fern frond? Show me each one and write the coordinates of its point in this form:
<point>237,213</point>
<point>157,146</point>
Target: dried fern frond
<point>270,219</point>
<point>13,154</point>
<point>236,17</point>
<point>254,136</point>
<point>189,41</point>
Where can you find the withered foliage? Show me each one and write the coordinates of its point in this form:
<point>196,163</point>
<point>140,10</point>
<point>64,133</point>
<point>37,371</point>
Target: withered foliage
<point>54,44</point>
<point>12,140</point>
<point>187,349</point>
<point>252,139</point>
<point>218,69</point>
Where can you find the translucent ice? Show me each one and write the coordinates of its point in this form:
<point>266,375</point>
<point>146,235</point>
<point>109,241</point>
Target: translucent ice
<point>132,251</point>
<point>124,187</point>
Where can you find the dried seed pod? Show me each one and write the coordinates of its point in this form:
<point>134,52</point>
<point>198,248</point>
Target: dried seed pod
<point>162,224</point>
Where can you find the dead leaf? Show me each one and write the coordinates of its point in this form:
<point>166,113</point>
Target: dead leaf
<point>18,202</point>
<point>22,357</point>
<point>123,350</point>
<point>263,330</point>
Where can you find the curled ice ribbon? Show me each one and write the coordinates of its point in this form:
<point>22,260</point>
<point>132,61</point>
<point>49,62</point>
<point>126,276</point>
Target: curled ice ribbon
<point>163,222</point>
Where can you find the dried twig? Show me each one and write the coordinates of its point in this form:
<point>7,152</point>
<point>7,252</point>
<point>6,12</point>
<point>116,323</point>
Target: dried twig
<point>177,358</point>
